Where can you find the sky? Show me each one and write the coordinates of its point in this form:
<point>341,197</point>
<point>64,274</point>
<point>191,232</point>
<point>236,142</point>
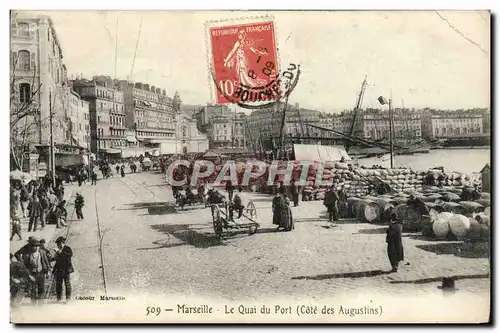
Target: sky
<point>416,57</point>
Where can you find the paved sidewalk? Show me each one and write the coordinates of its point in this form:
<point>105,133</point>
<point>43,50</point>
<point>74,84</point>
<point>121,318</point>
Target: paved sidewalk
<point>50,229</point>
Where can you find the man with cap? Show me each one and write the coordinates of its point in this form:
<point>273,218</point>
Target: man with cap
<point>25,250</point>
<point>38,265</point>
<point>63,268</point>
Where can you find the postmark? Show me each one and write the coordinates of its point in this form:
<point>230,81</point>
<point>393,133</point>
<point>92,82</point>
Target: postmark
<point>244,63</point>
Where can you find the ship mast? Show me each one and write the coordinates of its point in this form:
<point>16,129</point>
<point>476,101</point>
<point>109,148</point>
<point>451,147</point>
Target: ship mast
<point>356,109</point>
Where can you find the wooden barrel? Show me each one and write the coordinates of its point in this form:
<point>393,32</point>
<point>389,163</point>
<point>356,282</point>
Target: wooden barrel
<point>427,226</point>
<point>400,211</point>
<point>351,206</point>
<point>412,219</point>
<point>470,207</point>
<point>371,211</point>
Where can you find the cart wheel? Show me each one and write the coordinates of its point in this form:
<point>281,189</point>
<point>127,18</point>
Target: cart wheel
<point>251,210</point>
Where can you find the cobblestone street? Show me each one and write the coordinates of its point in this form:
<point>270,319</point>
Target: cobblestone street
<point>148,247</point>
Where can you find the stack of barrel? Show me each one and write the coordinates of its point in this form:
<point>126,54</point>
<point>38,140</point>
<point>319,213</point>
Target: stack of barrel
<point>370,209</point>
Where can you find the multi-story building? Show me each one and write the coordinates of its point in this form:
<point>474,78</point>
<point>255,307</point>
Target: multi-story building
<point>78,113</point>
<point>265,124</point>
<point>107,113</point>
<point>407,126</point>
<point>38,80</point>
<point>454,124</point>
<point>150,112</point>
<point>223,127</point>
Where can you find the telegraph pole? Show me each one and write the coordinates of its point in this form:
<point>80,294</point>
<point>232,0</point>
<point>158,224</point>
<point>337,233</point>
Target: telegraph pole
<point>391,130</point>
<point>52,153</point>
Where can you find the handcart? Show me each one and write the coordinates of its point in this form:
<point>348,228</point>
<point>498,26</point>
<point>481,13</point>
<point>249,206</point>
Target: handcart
<point>223,221</point>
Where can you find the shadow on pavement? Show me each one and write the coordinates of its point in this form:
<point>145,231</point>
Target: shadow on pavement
<point>416,236</point>
<point>161,245</point>
<point>189,236</point>
<point>154,208</point>
<point>463,250</point>
<point>343,275</point>
<point>439,279</point>
<point>372,231</point>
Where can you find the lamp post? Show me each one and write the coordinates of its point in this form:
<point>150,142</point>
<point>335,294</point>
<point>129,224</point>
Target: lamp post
<point>382,100</point>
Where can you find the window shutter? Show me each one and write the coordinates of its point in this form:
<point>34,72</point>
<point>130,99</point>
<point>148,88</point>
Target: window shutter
<point>32,60</point>
<point>13,29</point>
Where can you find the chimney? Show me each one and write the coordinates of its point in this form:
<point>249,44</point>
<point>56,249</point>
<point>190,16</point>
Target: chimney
<point>145,86</point>
<point>296,105</point>
<point>158,91</point>
<point>164,92</point>
<point>153,89</point>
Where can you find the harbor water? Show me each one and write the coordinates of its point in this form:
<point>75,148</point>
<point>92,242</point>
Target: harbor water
<point>460,160</point>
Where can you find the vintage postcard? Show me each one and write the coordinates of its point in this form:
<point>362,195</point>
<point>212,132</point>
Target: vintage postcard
<point>250,167</point>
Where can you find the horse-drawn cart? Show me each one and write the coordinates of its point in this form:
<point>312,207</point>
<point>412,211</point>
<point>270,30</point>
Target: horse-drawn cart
<point>224,220</point>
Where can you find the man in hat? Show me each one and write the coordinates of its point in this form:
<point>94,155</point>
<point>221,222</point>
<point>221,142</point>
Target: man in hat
<point>63,268</point>
<point>79,203</point>
<point>330,202</point>
<point>394,242</point>
<point>25,250</point>
<point>44,249</point>
<point>38,265</point>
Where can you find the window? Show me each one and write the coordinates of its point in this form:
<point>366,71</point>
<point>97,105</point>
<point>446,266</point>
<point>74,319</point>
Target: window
<point>23,60</point>
<point>24,92</point>
<point>23,29</point>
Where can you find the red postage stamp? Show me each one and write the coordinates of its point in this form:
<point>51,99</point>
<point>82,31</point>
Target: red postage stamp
<point>244,62</point>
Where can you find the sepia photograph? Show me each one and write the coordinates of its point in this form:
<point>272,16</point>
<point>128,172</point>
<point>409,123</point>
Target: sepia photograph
<point>250,166</point>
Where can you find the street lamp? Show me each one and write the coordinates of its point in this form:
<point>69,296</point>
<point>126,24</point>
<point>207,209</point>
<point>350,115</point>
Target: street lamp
<point>383,101</point>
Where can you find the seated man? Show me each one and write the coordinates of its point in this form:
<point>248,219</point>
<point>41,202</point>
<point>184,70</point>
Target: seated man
<point>238,203</point>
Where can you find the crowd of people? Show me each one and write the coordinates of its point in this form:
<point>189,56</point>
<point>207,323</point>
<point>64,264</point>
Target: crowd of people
<point>33,264</point>
<point>40,201</point>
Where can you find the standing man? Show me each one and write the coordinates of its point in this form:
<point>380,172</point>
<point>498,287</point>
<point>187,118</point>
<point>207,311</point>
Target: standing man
<point>38,265</point>
<point>342,194</point>
<point>35,209</point>
<point>330,202</point>
<point>79,203</point>
<point>94,178</point>
<point>229,189</point>
<point>294,191</point>
<point>63,268</point>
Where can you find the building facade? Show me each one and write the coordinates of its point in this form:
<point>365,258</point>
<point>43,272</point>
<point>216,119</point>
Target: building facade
<point>106,112</point>
<point>376,126</point>
<point>150,113</point>
<point>38,80</point>
<point>224,128</point>
<point>450,124</point>
<point>79,120</point>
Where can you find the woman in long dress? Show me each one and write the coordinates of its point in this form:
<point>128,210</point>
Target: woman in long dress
<point>282,215</point>
<point>239,55</point>
<point>394,242</point>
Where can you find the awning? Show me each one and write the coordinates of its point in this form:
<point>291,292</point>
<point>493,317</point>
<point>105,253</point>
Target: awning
<point>131,139</point>
<point>110,150</point>
<point>320,153</point>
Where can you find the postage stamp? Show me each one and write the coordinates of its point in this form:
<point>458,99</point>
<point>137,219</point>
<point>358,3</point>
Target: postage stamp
<point>244,62</point>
